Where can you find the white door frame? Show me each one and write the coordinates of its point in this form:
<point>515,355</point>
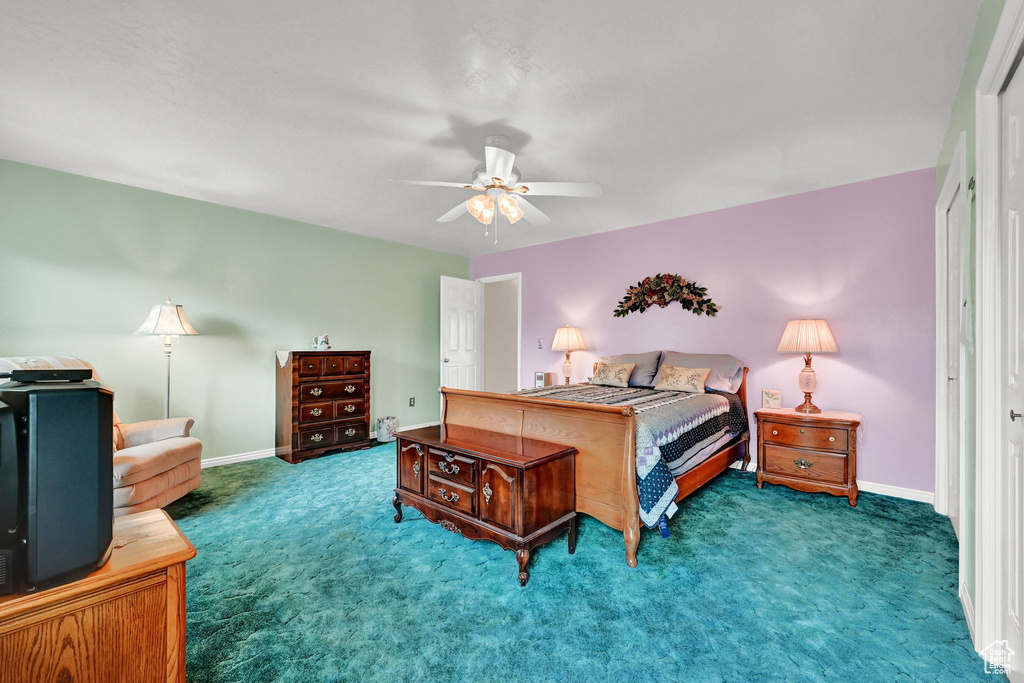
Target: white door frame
<point>1006,44</point>
<point>956,180</point>
<point>518,277</point>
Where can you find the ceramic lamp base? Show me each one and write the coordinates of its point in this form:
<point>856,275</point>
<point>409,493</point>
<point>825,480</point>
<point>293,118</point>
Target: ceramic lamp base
<point>567,370</point>
<point>808,383</point>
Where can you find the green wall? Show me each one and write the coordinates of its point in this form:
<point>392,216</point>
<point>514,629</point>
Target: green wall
<point>962,119</point>
<point>83,261</point>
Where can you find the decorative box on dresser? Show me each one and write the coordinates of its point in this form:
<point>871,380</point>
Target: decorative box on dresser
<point>323,403</point>
<point>519,493</point>
<point>813,452</point>
<point>123,622</point>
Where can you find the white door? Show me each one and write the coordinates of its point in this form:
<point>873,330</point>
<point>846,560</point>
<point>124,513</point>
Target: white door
<point>462,334</point>
<point>1009,461</point>
<point>954,324</point>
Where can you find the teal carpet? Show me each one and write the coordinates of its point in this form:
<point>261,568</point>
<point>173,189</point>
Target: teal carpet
<point>302,575</point>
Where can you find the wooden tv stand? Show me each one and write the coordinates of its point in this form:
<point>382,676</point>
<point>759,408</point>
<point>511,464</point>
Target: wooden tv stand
<point>123,622</point>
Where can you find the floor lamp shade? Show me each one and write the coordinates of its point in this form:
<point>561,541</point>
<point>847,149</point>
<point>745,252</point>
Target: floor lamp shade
<point>568,339</point>
<point>167,320</point>
<point>808,337</point>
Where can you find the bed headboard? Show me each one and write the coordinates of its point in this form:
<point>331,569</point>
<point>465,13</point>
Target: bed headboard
<point>742,393</point>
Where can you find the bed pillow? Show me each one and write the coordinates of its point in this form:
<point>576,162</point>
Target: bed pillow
<point>726,371</point>
<point>646,366</point>
<point>613,374</point>
<point>690,380</point>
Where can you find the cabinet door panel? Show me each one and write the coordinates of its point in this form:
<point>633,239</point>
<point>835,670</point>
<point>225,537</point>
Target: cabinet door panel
<point>411,472</point>
<point>498,493</point>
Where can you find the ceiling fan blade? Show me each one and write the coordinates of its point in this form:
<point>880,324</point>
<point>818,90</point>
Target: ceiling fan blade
<point>454,213</point>
<point>531,213</point>
<point>436,183</point>
<point>499,162</point>
<point>563,189</point>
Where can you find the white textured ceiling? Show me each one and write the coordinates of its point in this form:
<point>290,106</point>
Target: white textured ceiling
<point>305,109</point>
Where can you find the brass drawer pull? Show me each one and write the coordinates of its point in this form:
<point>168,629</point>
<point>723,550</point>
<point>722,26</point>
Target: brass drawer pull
<point>488,493</point>
<point>310,366</point>
<point>316,391</point>
<point>801,431</point>
<point>416,470</point>
<point>775,432</point>
<point>350,388</point>
<point>444,495</point>
<point>350,408</point>
<point>350,432</point>
<point>316,412</point>
<point>831,438</point>
<point>803,463</point>
<point>444,468</point>
<point>317,438</point>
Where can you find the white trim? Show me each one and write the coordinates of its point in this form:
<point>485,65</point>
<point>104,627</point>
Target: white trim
<point>897,491</point>
<point>965,600</point>
<point>518,277</point>
<point>955,182</point>
<point>1006,44</point>
<point>238,457</point>
<point>271,452</point>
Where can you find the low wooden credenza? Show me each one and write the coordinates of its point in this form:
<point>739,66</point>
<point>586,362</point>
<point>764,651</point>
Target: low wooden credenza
<point>124,622</point>
<point>519,493</point>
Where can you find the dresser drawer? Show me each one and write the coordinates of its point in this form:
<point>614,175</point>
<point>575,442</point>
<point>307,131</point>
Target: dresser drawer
<point>347,409</point>
<point>451,466</point>
<point>355,365</point>
<point>316,412</point>
<point>450,494</point>
<point>318,391</point>
<point>350,431</point>
<point>316,437</point>
<point>333,365</point>
<point>805,464</point>
<point>309,366</point>
<point>806,437</point>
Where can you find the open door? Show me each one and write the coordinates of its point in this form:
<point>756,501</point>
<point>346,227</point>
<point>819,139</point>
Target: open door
<point>462,334</point>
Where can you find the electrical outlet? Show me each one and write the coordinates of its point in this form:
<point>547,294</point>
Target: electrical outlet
<point>540,343</point>
<point>412,401</point>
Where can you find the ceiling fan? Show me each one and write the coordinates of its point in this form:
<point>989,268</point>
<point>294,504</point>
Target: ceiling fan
<point>501,189</point>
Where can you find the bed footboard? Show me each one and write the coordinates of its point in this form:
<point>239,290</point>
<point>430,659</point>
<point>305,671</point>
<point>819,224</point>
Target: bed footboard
<point>602,436</point>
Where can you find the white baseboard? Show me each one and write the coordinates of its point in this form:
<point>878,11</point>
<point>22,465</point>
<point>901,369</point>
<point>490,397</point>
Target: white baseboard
<point>897,491</point>
<point>271,452</point>
<point>965,600</point>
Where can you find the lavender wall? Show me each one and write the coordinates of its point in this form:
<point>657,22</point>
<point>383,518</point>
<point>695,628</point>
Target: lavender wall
<point>860,256</point>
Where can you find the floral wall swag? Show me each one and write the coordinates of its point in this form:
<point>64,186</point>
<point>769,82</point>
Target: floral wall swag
<point>661,290</point>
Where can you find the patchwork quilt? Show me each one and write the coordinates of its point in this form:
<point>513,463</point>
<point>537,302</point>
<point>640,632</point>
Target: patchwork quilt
<point>673,431</point>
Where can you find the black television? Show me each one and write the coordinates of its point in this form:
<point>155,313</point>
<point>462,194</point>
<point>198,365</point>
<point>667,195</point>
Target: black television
<point>56,490</point>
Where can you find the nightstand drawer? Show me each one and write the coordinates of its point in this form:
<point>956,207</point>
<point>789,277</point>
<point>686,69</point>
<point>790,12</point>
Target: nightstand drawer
<point>805,464</point>
<point>450,466</point>
<point>804,436</point>
<point>451,494</point>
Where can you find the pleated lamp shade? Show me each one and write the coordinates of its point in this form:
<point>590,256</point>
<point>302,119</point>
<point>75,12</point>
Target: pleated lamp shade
<point>168,320</point>
<point>807,336</point>
<point>568,339</point>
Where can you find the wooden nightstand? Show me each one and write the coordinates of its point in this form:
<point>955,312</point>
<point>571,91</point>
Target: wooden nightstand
<point>808,452</point>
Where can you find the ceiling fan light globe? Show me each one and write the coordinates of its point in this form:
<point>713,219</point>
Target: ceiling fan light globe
<point>476,204</point>
<point>514,215</point>
<point>507,204</point>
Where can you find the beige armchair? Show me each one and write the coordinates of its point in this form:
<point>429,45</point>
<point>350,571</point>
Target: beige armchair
<point>155,462</point>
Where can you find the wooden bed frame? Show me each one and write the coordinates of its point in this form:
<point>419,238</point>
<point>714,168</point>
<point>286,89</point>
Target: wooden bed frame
<point>604,439</point>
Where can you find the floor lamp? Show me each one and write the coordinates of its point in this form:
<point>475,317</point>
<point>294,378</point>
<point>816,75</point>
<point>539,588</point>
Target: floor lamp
<point>167,320</point>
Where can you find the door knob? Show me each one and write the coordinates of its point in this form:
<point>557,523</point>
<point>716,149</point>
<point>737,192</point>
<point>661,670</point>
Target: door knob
<point>445,360</point>
<point>1013,415</point>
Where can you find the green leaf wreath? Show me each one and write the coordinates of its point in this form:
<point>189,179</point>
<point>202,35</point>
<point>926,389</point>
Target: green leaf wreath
<point>661,290</point>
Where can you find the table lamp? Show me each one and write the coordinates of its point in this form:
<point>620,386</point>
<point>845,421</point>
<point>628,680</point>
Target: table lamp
<point>807,337</point>
<point>168,320</point>
<point>567,339</point>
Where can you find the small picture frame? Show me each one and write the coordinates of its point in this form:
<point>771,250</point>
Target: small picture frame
<point>540,379</point>
<point>771,398</point>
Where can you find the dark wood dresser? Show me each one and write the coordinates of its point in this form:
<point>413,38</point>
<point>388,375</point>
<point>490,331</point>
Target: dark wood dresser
<point>323,403</point>
<point>813,452</point>
<point>519,493</point>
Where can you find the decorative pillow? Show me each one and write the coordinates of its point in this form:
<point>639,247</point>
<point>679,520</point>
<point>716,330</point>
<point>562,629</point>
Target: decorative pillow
<point>613,374</point>
<point>646,366</point>
<point>726,371</point>
<point>683,379</point>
